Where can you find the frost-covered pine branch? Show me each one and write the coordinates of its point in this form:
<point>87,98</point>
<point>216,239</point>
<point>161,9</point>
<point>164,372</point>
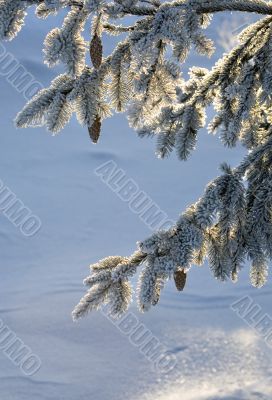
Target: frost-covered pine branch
<point>228,225</point>
<point>142,77</point>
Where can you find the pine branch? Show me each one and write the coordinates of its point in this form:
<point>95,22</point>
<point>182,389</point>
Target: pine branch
<point>252,6</point>
<point>232,221</point>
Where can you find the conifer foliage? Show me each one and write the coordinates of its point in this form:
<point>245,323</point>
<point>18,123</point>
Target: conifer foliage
<point>232,221</point>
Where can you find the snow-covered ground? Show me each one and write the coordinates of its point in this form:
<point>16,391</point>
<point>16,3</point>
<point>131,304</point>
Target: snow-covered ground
<point>218,355</point>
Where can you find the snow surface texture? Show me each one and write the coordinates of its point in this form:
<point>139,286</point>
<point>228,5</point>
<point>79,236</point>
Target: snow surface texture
<point>219,357</point>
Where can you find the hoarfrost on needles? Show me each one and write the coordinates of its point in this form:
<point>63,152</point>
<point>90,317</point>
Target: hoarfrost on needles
<point>232,221</point>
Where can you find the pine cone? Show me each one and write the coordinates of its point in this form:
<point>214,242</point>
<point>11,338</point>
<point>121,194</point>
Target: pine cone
<point>96,51</point>
<point>180,279</point>
<point>95,129</point>
<point>234,275</point>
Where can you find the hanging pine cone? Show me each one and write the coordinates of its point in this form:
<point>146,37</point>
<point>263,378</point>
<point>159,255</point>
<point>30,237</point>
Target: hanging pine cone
<point>96,51</point>
<point>234,275</point>
<point>180,279</point>
<point>95,129</point>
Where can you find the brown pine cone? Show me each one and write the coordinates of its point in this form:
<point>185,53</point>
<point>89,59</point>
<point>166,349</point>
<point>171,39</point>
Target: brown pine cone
<point>96,51</point>
<point>180,279</point>
<point>95,129</point>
